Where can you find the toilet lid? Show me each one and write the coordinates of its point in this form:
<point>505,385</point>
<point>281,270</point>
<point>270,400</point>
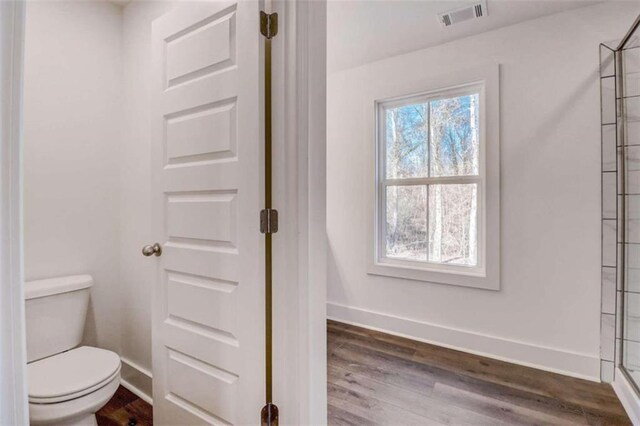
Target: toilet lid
<point>71,374</point>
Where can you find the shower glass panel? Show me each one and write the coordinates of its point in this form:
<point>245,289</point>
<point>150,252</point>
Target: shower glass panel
<point>627,91</point>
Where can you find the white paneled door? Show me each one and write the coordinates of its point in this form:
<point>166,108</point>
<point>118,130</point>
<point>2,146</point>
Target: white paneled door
<point>208,321</point>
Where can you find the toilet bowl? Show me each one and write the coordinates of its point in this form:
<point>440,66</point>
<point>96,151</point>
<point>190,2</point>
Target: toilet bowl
<point>68,388</point>
<point>67,384</point>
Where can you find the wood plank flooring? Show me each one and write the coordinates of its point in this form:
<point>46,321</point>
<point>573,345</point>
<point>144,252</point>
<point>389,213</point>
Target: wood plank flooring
<point>125,408</point>
<point>380,379</point>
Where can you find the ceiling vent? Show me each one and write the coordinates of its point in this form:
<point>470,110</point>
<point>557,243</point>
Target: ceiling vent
<point>473,11</point>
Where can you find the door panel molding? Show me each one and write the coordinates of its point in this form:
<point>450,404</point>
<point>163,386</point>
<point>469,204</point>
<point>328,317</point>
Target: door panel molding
<point>208,309</point>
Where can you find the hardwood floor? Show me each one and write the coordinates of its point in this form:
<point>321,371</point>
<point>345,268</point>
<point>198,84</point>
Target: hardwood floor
<point>125,408</point>
<point>380,379</point>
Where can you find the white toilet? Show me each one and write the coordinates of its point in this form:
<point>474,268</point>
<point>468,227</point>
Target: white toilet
<point>67,384</point>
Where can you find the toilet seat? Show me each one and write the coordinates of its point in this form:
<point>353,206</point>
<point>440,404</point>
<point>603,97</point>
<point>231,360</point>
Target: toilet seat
<point>72,374</point>
<point>75,412</point>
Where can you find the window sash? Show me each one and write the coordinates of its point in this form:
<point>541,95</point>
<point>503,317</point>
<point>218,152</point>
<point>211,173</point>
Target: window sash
<point>382,239</point>
<point>384,183</point>
<point>427,98</point>
<point>447,180</point>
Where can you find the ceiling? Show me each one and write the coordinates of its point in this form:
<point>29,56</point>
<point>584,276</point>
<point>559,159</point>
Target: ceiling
<point>362,31</point>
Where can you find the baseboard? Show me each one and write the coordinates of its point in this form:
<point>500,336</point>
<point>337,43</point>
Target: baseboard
<point>555,360</point>
<point>137,379</point>
<point>627,396</point>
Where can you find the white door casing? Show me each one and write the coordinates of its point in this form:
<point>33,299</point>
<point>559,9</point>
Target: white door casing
<point>208,183</point>
<point>13,351</point>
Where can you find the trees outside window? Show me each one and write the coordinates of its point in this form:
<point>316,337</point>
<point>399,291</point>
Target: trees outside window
<point>430,182</point>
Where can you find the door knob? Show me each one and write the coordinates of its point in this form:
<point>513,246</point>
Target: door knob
<point>153,249</point>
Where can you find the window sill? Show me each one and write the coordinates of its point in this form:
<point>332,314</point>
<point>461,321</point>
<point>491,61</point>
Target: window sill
<point>473,278</point>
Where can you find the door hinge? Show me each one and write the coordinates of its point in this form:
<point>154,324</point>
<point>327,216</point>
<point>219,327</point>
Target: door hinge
<point>269,221</point>
<point>268,24</point>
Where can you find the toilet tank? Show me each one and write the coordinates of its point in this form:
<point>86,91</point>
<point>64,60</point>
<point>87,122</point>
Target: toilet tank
<point>55,311</point>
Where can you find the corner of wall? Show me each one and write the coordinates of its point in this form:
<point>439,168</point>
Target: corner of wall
<point>612,243</point>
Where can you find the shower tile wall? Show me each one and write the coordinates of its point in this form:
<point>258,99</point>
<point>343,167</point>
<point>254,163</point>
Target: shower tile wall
<point>611,202</point>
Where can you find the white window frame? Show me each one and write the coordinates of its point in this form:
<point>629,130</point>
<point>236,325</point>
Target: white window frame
<point>384,182</point>
<point>487,270</point>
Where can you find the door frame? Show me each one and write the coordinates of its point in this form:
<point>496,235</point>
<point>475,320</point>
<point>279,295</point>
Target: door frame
<point>14,408</point>
<point>299,189</point>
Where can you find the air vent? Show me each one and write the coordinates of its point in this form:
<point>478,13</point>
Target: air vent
<point>473,11</point>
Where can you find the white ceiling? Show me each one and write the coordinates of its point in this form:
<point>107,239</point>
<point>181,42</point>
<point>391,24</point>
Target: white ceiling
<point>362,31</point>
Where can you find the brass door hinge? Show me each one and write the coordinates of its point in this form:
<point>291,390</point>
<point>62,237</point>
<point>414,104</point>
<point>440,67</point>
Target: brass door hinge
<point>268,24</point>
<point>269,221</point>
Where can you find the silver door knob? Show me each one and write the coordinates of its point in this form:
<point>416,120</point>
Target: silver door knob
<point>150,250</point>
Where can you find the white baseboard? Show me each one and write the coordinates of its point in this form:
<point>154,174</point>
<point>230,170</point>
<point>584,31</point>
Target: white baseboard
<point>627,396</point>
<point>573,364</point>
<point>137,379</point>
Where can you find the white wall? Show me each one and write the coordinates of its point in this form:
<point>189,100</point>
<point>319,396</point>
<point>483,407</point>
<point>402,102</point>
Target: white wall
<point>547,312</point>
<point>87,164</point>
<point>72,123</point>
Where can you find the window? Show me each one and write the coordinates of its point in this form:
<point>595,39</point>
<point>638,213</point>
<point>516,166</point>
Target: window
<point>430,181</point>
<point>433,163</point>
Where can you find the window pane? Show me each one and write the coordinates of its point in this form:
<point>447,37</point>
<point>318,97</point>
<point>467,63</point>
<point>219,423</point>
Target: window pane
<point>455,136</point>
<point>406,141</point>
<point>453,228</point>
<point>407,222</point>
